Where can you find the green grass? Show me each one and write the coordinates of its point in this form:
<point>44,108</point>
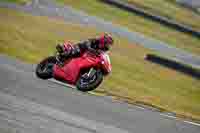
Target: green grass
<point>32,38</point>
<point>137,23</point>
<point>169,9</point>
<point>17,1</point>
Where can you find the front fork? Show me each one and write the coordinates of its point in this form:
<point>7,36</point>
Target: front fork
<point>90,74</point>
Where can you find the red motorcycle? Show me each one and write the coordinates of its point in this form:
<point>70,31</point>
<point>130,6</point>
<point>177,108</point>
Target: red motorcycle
<point>86,72</point>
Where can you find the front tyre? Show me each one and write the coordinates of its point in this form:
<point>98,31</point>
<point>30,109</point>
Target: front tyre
<point>89,84</point>
<point>44,69</point>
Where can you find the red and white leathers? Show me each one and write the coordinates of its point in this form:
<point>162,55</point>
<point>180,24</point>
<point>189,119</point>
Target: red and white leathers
<point>95,44</point>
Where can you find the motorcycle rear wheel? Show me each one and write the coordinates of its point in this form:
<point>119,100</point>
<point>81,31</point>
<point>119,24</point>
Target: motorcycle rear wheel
<point>87,85</point>
<point>44,69</point>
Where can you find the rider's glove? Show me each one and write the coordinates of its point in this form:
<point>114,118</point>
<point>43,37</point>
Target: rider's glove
<point>60,48</point>
<point>62,52</point>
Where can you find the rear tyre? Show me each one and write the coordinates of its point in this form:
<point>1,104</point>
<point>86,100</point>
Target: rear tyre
<point>44,69</point>
<point>89,84</point>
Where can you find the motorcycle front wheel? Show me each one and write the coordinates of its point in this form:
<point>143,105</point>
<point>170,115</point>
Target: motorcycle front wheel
<point>89,84</point>
<point>44,69</point>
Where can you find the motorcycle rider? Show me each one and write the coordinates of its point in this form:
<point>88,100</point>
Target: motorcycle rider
<point>103,43</point>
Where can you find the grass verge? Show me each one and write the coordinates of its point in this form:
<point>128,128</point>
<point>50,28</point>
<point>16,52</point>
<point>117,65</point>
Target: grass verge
<point>169,9</point>
<point>17,1</point>
<point>32,38</point>
<point>137,24</point>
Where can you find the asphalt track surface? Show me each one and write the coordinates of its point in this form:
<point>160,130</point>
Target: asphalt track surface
<point>28,104</point>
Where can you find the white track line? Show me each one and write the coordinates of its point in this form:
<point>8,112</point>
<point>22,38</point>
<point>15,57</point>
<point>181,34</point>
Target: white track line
<point>63,84</point>
<point>169,116</point>
<point>192,123</point>
<point>174,117</point>
<point>139,107</point>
